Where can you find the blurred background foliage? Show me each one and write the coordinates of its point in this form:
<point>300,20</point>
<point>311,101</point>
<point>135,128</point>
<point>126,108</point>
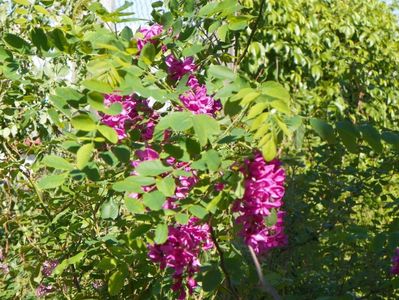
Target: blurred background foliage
<point>337,135</point>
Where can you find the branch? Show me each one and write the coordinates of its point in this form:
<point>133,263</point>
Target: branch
<point>266,286</point>
<point>252,32</point>
<point>222,264</point>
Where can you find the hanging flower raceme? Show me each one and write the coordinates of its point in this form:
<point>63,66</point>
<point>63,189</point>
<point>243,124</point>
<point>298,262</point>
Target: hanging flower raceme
<point>197,99</point>
<point>148,34</point>
<point>395,263</point>
<point>264,190</point>
<point>180,252</point>
<point>135,114</point>
<point>44,289</point>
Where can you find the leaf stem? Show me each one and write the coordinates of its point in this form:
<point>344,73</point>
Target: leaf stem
<point>266,286</point>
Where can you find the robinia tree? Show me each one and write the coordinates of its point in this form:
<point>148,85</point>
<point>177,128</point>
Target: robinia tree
<point>225,150</point>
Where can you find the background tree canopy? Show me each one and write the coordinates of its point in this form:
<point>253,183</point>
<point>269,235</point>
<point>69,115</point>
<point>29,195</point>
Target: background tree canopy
<point>311,82</point>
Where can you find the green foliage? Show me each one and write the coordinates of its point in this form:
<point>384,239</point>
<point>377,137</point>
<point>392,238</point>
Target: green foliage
<point>313,83</point>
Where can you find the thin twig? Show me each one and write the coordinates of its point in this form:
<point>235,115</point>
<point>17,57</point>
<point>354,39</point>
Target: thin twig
<point>266,286</point>
<point>222,264</point>
<point>252,32</point>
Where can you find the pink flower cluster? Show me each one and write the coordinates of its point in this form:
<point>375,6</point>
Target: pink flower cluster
<point>180,252</point>
<point>177,68</point>
<point>149,33</point>
<point>197,99</point>
<point>264,190</point>
<point>183,185</point>
<point>395,263</point>
<point>3,266</point>
<point>134,112</point>
<point>44,289</point>
<point>48,267</point>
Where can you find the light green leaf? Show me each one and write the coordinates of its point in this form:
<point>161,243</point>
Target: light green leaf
<point>109,210</point>
<point>182,218</point>
<point>166,186</point>
<point>109,133</point>
<point>221,72</point>
<point>51,181</point>
<point>212,160</point>
<point>134,206</point>
<point>97,86</point>
<point>154,200</point>
<point>205,127</point>
<point>161,234</point>
<point>84,155</point>
<point>152,168</point>
<point>198,211</point>
<point>83,122</point>
<point>116,282</point>
<point>178,121</point>
<point>57,162</point>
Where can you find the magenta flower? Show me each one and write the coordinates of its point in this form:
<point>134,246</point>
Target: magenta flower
<point>395,263</point>
<point>196,99</point>
<point>48,267</point>
<point>4,268</point>
<point>177,68</point>
<point>149,33</point>
<point>180,252</point>
<point>134,113</point>
<point>184,184</point>
<point>264,190</point>
<point>43,290</point>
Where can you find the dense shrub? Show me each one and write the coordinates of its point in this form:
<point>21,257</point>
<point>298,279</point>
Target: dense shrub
<point>168,162</point>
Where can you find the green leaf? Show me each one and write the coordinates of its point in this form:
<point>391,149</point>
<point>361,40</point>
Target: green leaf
<point>84,155</point>
<point>76,258</point>
<point>51,181</point>
<point>109,210</point>
<point>83,122</point>
<point>178,121</point>
<point>116,282</point>
<point>212,160</point>
<point>212,279</point>
<point>107,263</point>
<point>221,72</point>
<point>161,234</point>
<point>97,86</point>
<point>324,130</point>
<point>205,127</point>
<point>269,149</point>
<point>372,137</point>
<point>57,162</point>
<point>348,134</point>
<point>192,50</point>
<point>147,54</point>
<point>198,211</point>
<point>275,90</point>
<point>109,133</point>
<point>166,186</point>
<point>154,200</point>
<point>16,42</point>
<point>22,2</point>
<point>212,206</point>
<point>271,219</point>
<point>134,206</point>
<point>128,184</point>
<point>182,218</point>
<point>152,168</point>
